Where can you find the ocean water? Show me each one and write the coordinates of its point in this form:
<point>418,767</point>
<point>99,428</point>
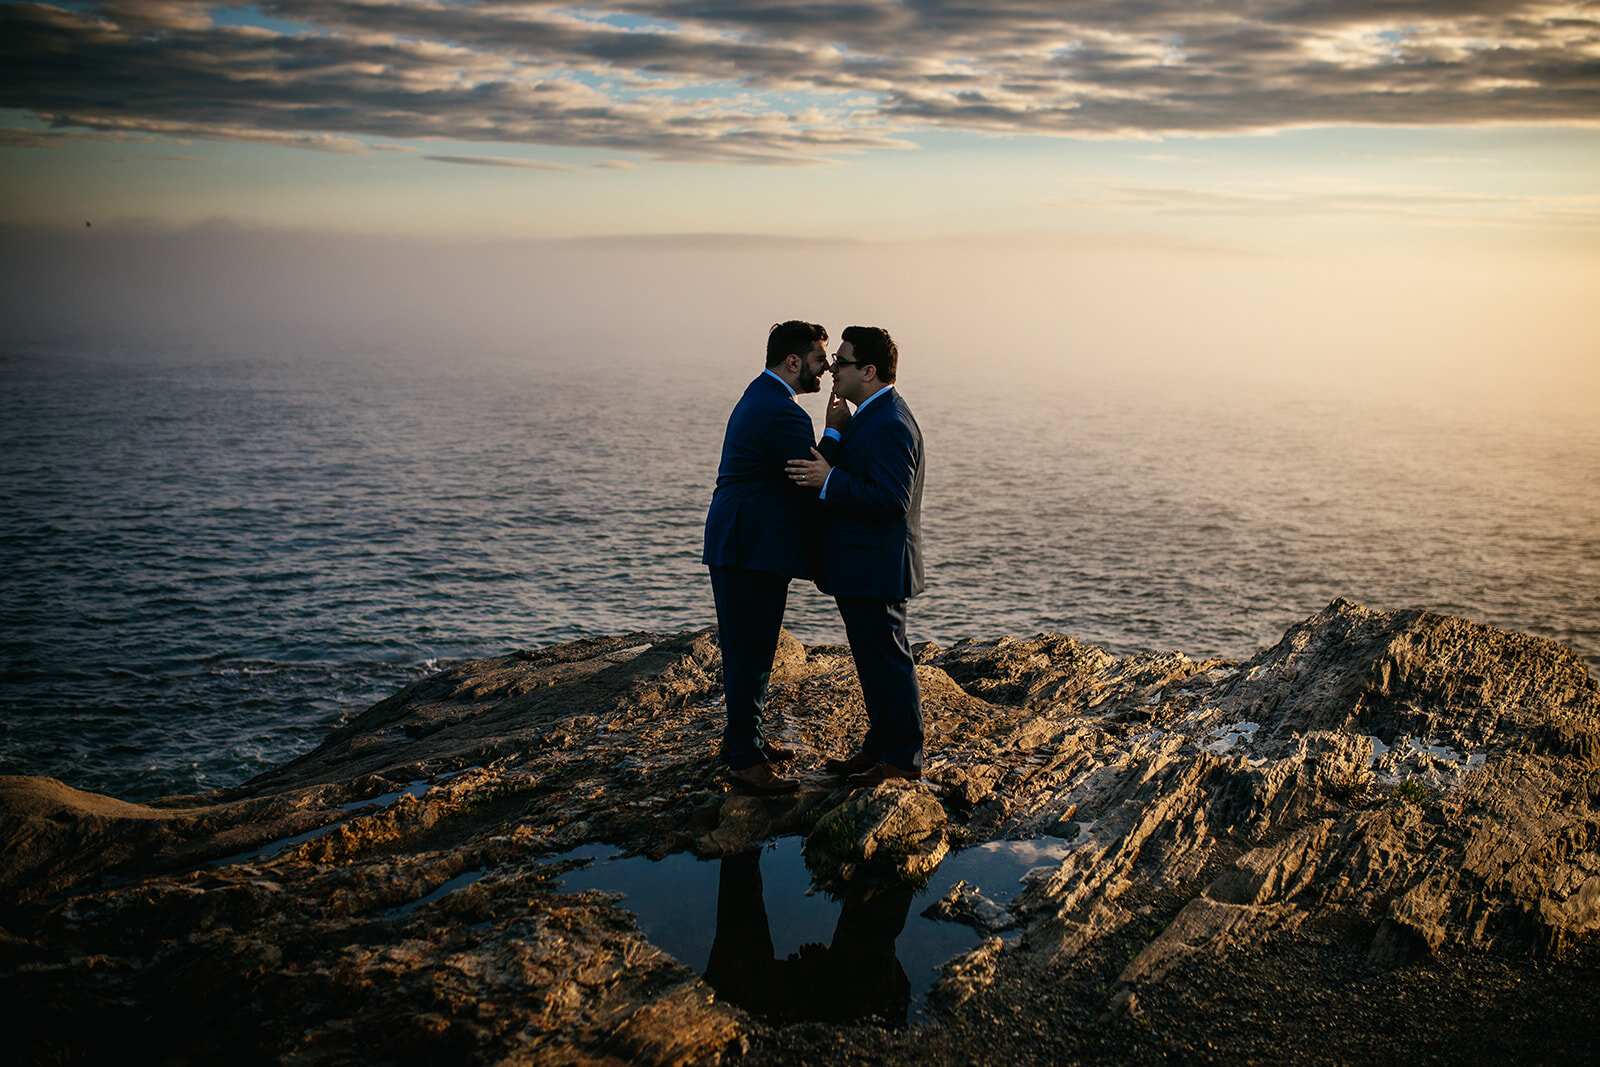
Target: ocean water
<point>211,555</point>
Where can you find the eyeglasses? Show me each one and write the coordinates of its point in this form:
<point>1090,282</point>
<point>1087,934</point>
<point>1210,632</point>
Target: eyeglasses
<point>846,363</point>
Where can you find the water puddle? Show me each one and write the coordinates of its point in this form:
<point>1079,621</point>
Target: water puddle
<point>1434,762</point>
<point>752,926</point>
<point>1437,750</point>
<point>383,800</point>
<point>460,881</point>
<point>276,848</point>
<point>1228,737</point>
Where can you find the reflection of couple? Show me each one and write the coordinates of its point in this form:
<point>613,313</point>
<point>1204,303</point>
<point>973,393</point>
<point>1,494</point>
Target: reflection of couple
<point>845,512</point>
<point>855,976</point>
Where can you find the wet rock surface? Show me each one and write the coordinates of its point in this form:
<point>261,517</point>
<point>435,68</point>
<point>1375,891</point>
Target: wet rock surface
<point>963,903</point>
<point>890,835</point>
<point>1377,840</point>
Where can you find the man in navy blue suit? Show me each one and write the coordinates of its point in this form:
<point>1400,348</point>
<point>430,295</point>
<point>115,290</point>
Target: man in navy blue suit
<point>760,533</point>
<point>870,478</point>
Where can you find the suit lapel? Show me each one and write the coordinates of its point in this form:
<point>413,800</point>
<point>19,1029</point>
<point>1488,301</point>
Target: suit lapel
<point>872,412</point>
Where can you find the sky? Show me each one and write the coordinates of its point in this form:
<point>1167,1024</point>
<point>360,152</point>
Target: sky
<point>1365,182</point>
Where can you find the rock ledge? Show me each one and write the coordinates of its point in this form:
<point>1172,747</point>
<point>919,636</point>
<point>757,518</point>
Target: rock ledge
<point>1399,804</point>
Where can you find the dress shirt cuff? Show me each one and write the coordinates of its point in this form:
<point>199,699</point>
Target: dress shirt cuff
<point>831,432</point>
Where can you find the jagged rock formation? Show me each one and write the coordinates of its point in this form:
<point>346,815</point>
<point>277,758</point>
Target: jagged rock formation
<point>893,834</point>
<point>963,903</point>
<point>1399,803</point>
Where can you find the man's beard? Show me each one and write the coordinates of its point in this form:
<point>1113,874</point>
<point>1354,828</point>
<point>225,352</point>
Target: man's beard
<point>808,382</point>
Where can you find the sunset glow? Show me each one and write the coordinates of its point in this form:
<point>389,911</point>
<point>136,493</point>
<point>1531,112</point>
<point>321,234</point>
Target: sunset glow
<point>1429,177</point>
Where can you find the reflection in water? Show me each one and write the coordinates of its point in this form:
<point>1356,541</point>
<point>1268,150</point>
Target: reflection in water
<point>757,916</point>
<point>855,975</point>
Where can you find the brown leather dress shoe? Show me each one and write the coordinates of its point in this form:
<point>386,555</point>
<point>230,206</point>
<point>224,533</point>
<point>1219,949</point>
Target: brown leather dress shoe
<point>761,778</point>
<point>882,772</point>
<point>843,768</point>
<point>776,753</point>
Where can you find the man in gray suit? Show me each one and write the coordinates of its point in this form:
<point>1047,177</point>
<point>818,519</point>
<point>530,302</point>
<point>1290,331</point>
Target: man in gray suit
<point>870,480</point>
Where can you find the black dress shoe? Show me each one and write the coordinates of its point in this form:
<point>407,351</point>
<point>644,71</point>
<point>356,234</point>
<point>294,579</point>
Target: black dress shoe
<point>880,773</point>
<point>761,778</point>
<point>843,768</point>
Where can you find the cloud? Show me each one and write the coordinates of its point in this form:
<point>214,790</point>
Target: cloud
<point>135,128</point>
<point>500,161</point>
<point>18,137</point>
<point>790,81</point>
<point>1331,199</point>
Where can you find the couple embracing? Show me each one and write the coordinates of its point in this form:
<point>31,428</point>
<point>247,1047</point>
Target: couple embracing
<point>845,512</point>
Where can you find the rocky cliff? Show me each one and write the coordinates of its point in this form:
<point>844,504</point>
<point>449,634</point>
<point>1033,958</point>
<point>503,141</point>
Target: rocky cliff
<point>1377,840</point>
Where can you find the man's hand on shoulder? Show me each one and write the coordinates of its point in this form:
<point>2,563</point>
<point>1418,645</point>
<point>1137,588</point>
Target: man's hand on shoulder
<point>811,473</point>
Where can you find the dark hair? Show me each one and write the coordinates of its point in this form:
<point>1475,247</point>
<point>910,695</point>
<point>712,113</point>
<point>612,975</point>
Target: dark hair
<point>792,338</point>
<point>871,344</point>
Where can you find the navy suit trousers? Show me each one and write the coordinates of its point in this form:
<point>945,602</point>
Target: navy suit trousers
<point>877,633</point>
<point>749,615</point>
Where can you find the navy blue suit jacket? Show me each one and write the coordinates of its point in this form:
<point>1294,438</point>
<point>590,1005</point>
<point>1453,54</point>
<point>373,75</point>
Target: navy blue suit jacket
<point>872,514</point>
<point>759,519</point>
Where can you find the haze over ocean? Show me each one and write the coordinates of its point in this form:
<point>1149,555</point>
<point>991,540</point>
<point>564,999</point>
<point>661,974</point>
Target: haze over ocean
<point>220,544</point>
<point>343,343</point>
